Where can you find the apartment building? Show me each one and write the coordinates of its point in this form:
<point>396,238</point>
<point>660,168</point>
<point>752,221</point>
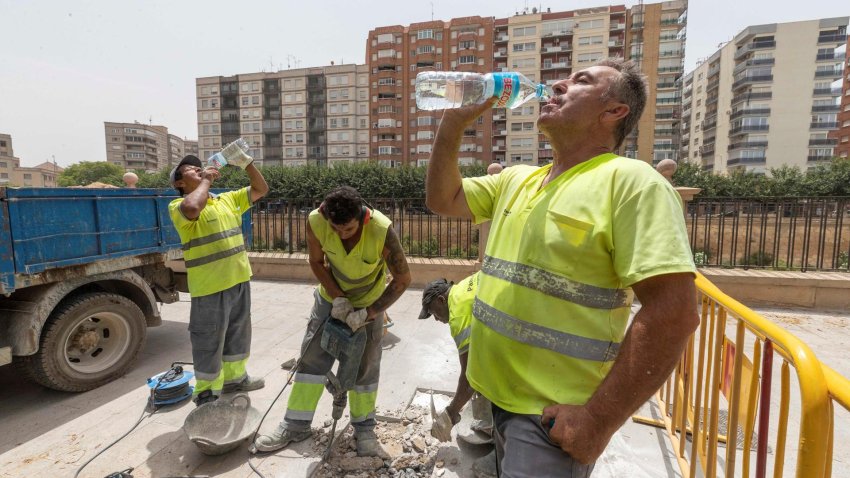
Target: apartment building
<point>138,146</point>
<point>190,147</point>
<point>765,99</point>
<point>545,47</point>
<point>842,134</point>
<point>401,133</point>
<point>293,117</point>
<point>13,174</point>
<point>656,41</point>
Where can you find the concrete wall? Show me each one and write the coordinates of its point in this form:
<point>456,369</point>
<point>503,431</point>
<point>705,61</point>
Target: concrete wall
<point>808,290</point>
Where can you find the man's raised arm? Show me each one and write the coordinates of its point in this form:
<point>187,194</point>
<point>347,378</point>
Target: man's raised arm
<point>443,189</point>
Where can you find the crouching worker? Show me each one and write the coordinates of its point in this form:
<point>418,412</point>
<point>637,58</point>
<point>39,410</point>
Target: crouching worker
<point>452,304</point>
<point>351,247</point>
<point>210,229</point>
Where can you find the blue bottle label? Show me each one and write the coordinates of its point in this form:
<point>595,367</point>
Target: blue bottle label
<point>506,88</point>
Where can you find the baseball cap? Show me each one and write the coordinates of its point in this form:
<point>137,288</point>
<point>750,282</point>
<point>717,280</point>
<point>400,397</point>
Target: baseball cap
<point>432,290</point>
<point>188,159</point>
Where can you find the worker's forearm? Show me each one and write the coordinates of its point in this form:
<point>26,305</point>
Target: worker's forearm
<point>195,201</point>
<point>443,179</point>
<point>648,354</point>
<point>326,279</point>
<point>259,187</point>
<point>394,289</point>
<point>463,393</point>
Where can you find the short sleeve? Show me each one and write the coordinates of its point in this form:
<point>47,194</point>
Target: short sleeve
<point>237,201</point>
<point>481,193</point>
<point>181,222</point>
<point>649,235</point>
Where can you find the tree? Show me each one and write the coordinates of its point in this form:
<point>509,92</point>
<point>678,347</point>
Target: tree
<point>87,172</point>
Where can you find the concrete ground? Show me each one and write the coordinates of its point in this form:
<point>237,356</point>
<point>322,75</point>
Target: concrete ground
<point>49,433</point>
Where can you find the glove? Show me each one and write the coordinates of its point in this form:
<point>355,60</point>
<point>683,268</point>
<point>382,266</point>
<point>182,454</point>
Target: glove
<point>341,308</point>
<point>356,319</point>
<point>441,428</point>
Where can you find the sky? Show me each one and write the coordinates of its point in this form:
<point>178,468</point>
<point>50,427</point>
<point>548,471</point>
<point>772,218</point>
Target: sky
<point>67,66</point>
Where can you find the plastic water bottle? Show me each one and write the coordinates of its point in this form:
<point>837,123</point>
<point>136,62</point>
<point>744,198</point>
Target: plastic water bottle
<point>229,153</point>
<point>437,90</point>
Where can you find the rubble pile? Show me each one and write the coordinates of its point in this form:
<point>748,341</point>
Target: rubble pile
<point>406,438</point>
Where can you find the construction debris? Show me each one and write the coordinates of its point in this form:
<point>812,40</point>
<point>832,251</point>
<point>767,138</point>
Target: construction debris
<point>410,449</point>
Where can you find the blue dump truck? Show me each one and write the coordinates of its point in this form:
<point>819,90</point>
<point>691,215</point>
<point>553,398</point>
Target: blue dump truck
<point>81,274</point>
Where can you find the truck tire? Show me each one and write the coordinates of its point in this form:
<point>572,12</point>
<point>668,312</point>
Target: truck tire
<point>86,342</point>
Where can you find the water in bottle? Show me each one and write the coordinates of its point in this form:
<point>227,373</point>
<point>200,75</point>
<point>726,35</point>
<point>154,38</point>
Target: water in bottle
<point>436,90</point>
<point>230,152</point>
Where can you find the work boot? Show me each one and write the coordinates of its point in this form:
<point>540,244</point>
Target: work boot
<point>205,397</point>
<point>485,467</point>
<point>280,438</point>
<point>368,445</point>
<point>247,384</point>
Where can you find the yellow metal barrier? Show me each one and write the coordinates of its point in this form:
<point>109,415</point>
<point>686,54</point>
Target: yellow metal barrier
<point>737,364</point>
<point>839,391</point>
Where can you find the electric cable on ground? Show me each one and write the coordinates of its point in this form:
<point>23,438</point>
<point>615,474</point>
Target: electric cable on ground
<point>150,403</point>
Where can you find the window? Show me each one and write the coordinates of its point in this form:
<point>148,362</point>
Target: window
<point>466,45</point>
<point>424,34</point>
<point>587,24</point>
<point>385,38</point>
<point>589,57</point>
<point>524,158</point>
<point>522,142</point>
<point>524,126</point>
<point>466,59</point>
<point>557,28</point>
<point>424,121</point>
<point>529,46</point>
<point>525,31</point>
<point>524,63</point>
<point>386,53</point>
<point>420,135</point>
<point>4,164</point>
<point>27,176</point>
<point>424,49</point>
<point>592,40</point>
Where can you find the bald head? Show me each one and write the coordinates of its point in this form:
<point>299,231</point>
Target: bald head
<point>494,168</point>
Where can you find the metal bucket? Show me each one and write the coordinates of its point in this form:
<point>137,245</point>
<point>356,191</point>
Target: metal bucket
<point>218,427</point>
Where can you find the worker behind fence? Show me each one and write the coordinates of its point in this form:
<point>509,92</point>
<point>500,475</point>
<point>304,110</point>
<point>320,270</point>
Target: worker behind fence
<point>570,244</point>
<point>351,247</point>
<point>210,229</point>
<point>452,304</point>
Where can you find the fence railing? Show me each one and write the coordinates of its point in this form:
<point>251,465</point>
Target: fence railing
<point>280,225</point>
<point>804,233</point>
<point>764,233</point>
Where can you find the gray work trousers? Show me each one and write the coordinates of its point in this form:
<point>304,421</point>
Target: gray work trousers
<point>524,450</point>
<point>316,362</point>
<point>220,333</point>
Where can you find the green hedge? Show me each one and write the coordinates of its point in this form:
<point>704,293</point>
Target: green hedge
<point>831,179</point>
<point>371,179</point>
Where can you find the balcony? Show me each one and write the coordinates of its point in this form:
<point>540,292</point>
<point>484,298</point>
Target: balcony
<point>670,53</point>
<point>751,79</point>
<point>665,101</point>
<point>824,125</point>
<point>502,38</point>
<point>749,111</point>
<point>747,145</point>
<point>615,43</point>
<point>751,160</point>
<point>500,53</point>
<point>755,62</point>
<point>828,73</point>
<point>706,149</point>
<point>668,84</point>
<point>501,132</point>
<point>828,56</point>
<point>637,25</point>
<point>750,47</point>
<point>832,38</point>
<point>826,109</point>
<point>558,33</point>
<point>750,96</point>
<point>663,146</point>
<point>821,157</point>
<point>670,69</point>
<point>749,129</point>
<point>617,26</point>
<point>709,122</point>
<point>555,66</point>
<point>556,48</point>
<point>823,92</point>
<point>823,142</point>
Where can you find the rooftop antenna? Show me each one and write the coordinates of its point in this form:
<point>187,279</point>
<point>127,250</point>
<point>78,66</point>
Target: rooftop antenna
<point>432,11</point>
<point>150,120</point>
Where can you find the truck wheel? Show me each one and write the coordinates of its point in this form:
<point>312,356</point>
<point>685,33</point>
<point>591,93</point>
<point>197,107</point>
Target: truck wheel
<point>86,342</point>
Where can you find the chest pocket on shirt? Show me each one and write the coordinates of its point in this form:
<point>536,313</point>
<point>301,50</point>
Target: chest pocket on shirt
<point>560,239</point>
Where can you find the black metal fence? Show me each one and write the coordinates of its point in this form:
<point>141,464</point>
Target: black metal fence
<point>800,234</point>
<point>761,233</point>
<point>280,225</point>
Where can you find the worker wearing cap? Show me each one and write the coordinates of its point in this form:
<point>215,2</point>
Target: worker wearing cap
<point>210,229</point>
<point>452,304</point>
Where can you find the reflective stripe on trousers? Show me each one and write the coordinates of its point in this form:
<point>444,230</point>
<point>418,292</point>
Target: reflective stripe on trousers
<point>316,363</point>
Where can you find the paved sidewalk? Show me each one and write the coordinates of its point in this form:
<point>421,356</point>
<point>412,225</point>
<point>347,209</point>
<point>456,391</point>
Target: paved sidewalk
<point>49,433</point>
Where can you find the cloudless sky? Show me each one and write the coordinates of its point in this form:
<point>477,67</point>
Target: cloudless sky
<point>68,66</point>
